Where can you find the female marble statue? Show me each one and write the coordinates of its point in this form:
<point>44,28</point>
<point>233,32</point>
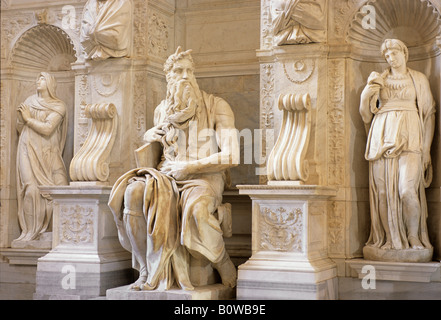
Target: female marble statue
<point>41,122</point>
<point>399,108</point>
<point>298,21</point>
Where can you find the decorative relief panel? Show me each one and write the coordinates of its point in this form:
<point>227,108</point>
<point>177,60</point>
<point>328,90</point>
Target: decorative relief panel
<point>139,125</point>
<point>4,133</point>
<point>82,121</point>
<point>11,26</point>
<point>267,96</point>
<point>281,229</point>
<point>266,35</point>
<point>76,224</point>
<point>5,4</point>
<point>140,28</point>
<point>158,36</point>
<point>336,229</point>
<point>342,11</point>
<point>266,109</point>
<point>336,122</point>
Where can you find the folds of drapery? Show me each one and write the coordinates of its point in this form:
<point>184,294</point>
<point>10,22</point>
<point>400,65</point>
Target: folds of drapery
<point>106,32</point>
<point>300,22</point>
<point>167,260</point>
<point>389,151</point>
<point>40,162</point>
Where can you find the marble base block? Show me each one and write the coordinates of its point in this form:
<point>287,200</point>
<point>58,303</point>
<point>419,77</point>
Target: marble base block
<point>396,271</point>
<point>269,276</point>
<point>289,244</point>
<point>44,242</point>
<point>79,276</point>
<point>405,255</point>
<point>381,280</point>
<point>209,292</point>
<point>87,258</point>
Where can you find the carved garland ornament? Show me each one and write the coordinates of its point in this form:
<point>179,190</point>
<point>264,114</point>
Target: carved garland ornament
<point>107,84</point>
<point>299,71</point>
<point>76,224</point>
<point>281,230</point>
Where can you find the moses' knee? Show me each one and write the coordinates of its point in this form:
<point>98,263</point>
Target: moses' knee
<point>133,196</point>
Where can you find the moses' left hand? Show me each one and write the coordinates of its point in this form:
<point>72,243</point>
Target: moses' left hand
<point>180,170</point>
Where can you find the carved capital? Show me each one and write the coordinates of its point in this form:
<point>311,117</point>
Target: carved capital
<point>90,163</point>
<point>287,160</point>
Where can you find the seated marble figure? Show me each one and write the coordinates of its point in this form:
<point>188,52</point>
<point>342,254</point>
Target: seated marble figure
<point>171,213</point>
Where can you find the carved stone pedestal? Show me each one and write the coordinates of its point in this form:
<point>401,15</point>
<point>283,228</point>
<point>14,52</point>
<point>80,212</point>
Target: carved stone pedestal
<point>289,258</point>
<point>87,258</point>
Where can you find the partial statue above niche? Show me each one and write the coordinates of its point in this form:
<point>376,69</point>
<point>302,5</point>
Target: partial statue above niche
<point>106,29</point>
<point>42,125</point>
<point>398,110</point>
<point>298,21</point>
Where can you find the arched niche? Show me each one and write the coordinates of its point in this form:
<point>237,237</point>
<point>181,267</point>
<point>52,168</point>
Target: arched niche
<point>46,48</point>
<point>418,24</point>
<point>42,47</point>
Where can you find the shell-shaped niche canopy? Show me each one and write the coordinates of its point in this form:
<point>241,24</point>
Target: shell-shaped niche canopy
<point>44,47</point>
<point>416,22</point>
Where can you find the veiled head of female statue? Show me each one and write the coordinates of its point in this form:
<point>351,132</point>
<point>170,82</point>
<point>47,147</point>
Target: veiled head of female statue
<point>394,45</point>
<point>45,81</point>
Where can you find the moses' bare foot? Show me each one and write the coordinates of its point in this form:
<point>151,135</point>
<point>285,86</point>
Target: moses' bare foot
<point>138,284</point>
<point>415,243</point>
<point>227,271</point>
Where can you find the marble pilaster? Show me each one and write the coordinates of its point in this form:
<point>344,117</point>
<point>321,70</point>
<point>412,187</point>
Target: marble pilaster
<point>109,81</point>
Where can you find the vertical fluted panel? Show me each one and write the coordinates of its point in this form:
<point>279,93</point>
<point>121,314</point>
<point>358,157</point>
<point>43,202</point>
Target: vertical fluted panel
<point>287,159</point>
<point>90,163</point>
